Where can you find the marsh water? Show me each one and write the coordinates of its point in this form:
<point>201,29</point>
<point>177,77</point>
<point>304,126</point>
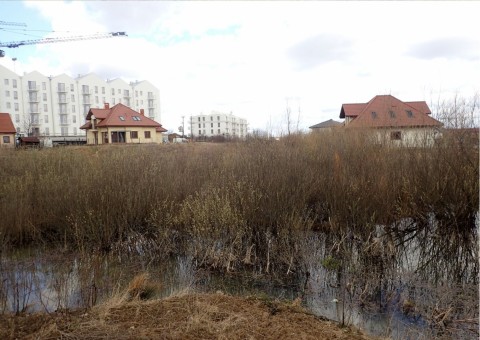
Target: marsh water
<point>50,282</point>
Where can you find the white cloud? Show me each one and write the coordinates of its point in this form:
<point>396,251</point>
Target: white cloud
<point>248,57</point>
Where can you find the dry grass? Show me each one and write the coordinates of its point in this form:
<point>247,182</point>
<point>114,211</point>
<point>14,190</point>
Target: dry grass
<point>191,316</point>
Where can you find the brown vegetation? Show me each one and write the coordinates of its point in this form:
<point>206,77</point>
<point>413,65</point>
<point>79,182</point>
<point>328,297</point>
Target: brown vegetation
<point>261,205</point>
<point>189,316</point>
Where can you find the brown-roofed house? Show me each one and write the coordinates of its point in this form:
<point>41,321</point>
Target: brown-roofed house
<point>7,130</point>
<point>121,124</point>
<point>401,123</point>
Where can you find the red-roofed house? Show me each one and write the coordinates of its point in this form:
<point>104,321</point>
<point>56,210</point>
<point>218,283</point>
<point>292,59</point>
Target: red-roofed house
<point>401,123</point>
<point>7,130</point>
<point>121,124</point>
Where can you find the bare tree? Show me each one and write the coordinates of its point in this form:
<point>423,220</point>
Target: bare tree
<point>458,112</point>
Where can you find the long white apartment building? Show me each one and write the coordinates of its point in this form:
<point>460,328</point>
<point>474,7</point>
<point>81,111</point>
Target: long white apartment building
<point>218,124</point>
<point>55,107</point>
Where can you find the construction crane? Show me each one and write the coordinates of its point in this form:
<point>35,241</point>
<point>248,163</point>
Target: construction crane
<point>14,44</point>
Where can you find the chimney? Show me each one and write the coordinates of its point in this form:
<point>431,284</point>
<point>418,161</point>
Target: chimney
<point>142,112</point>
<point>107,106</point>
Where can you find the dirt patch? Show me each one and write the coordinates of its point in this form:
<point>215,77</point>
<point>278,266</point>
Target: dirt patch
<point>189,316</point>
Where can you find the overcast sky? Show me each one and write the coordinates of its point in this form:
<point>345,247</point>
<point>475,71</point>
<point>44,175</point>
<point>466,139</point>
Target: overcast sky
<point>252,58</point>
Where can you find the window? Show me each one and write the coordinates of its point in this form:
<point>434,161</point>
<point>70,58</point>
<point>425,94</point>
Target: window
<point>211,131</point>
<point>218,124</point>
<point>7,93</point>
<point>199,132</point>
<point>396,135</point>
<point>119,91</point>
<point>409,114</point>
<point>64,130</point>
<point>122,118</point>
<point>44,97</point>
<point>141,93</point>
<point>16,106</point>
<point>15,95</point>
<point>113,92</point>
<point>74,119</point>
<point>85,89</point>
<point>392,114</point>
<point>113,101</point>
<point>72,97</point>
<point>60,87</point>
<point>72,88</point>
<point>44,86</point>
<point>73,108</point>
<point>47,131</point>
<point>147,134</point>
<point>136,93</point>
<point>136,118</point>
<point>203,118</point>
<point>74,130</point>
<point>14,82</point>
<point>45,119</point>
<point>200,125</point>
<point>17,118</point>
<point>96,89</point>
<point>218,131</point>
<point>6,139</point>
<point>211,117</point>
<point>374,114</point>
<point>203,123</point>
<point>218,117</point>
<point>103,90</point>
<point>8,105</point>
<point>134,134</point>
<point>6,81</point>
<point>211,124</point>
<point>45,108</point>
<point>96,99</point>
<point>198,118</point>
<point>32,85</point>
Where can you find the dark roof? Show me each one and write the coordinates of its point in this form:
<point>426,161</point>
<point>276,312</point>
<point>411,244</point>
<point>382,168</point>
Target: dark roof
<point>6,124</point>
<point>326,124</point>
<point>388,111</point>
<point>29,139</point>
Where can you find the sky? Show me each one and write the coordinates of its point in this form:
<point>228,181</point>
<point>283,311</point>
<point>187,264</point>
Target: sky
<point>258,58</point>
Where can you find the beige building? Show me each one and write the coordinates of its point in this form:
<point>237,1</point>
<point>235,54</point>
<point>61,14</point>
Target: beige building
<point>121,124</point>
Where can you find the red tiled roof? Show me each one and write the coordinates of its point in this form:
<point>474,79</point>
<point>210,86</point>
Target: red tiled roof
<point>6,124</point>
<point>119,115</point>
<point>160,129</point>
<point>351,110</point>
<point>388,111</point>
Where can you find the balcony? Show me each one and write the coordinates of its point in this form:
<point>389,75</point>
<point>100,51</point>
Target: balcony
<point>151,96</point>
<point>64,120</point>
<point>86,92</point>
<point>33,99</point>
<point>33,88</point>
<point>61,89</point>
